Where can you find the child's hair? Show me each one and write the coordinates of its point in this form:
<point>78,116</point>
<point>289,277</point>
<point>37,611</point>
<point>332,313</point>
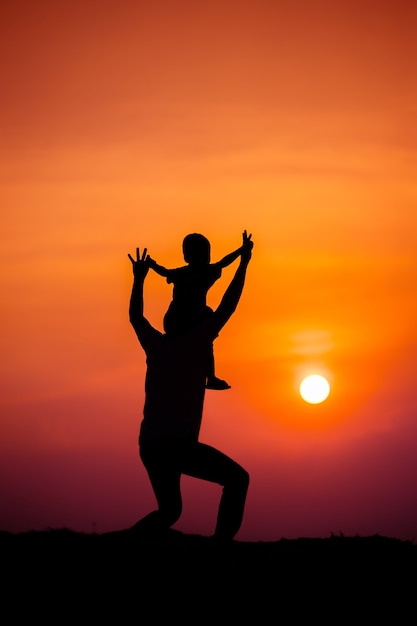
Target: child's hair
<point>196,249</point>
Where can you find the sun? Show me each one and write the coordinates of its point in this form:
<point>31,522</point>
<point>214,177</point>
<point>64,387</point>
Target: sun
<point>314,389</point>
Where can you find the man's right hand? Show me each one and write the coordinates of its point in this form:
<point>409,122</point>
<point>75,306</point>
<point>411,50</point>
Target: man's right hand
<point>140,265</point>
<point>247,246</point>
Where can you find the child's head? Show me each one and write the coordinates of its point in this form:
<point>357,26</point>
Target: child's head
<point>196,249</point>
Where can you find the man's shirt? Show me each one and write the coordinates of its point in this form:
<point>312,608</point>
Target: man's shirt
<point>175,380</point>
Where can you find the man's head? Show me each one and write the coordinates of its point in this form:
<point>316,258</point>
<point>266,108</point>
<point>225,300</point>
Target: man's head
<point>196,249</point>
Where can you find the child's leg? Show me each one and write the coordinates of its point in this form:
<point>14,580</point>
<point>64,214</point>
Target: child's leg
<point>212,381</point>
<point>210,369</point>
<point>175,322</point>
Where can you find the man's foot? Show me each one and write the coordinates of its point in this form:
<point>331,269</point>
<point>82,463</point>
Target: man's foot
<point>221,541</point>
<point>217,383</point>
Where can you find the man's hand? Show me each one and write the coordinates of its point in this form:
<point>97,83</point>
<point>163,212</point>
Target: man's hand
<point>141,264</point>
<point>247,246</point>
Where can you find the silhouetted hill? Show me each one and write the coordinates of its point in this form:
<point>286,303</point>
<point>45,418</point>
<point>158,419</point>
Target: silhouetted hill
<point>190,578</point>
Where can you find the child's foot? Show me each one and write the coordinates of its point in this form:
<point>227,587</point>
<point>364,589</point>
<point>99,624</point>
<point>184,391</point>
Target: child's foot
<point>217,383</point>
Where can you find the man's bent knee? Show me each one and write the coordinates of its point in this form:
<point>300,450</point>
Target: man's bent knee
<point>240,479</point>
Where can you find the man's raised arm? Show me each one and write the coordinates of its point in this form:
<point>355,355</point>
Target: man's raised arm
<point>140,267</point>
<point>232,294</point>
<point>145,332</point>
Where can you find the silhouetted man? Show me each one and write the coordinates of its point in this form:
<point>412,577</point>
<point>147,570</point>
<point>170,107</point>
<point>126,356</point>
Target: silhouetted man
<point>174,396</point>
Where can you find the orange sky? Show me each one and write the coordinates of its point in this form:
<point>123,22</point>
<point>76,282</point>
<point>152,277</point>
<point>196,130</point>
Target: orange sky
<point>129,124</point>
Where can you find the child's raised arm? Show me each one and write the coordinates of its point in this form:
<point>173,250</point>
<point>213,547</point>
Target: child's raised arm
<point>229,258</point>
<point>159,269</point>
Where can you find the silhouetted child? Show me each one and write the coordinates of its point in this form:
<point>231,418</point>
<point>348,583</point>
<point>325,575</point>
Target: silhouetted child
<point>190,286</point>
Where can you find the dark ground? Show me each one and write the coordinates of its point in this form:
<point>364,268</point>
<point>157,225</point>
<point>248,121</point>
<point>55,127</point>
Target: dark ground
<point>60,576</point>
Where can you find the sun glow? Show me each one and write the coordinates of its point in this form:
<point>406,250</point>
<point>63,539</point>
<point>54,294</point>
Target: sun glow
<point>314,389</point>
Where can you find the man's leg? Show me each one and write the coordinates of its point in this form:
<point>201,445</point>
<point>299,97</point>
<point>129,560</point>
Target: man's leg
<point>207,463</point>
<point>161,462</point>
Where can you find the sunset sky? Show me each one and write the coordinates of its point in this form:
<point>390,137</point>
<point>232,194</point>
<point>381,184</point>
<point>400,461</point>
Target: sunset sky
<point>133,123</point>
